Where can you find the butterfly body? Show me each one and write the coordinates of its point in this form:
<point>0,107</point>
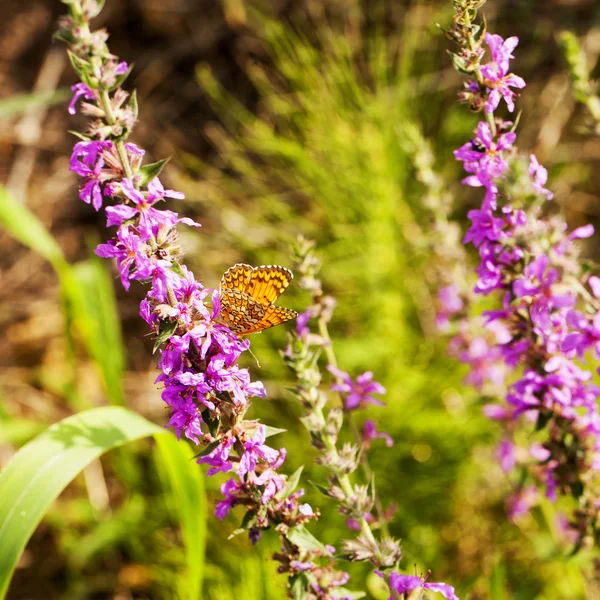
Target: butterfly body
<point>247,296</point>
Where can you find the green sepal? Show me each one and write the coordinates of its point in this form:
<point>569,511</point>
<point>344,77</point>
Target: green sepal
<point>81,67</point>
<point>165,331</point>
<point>301,537</point>
<point>120,79</point>
<point>81,136</point>
<point>344,593</point>
<point>299,586</point>
<point>577,489</point>
<point>321,488</point>
<point>271,431</point>
<point>133,104</point>
<point>291,485</point>
<point>206,450</point>
<point>459,63</point>
<point>148,172</point>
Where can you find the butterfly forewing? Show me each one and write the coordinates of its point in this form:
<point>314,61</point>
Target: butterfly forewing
<point>266,284</point>
<point>236,277</point>
<point>247,295</point>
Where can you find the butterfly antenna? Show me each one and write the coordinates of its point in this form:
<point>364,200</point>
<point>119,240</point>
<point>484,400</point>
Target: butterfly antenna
<point>254,357</point>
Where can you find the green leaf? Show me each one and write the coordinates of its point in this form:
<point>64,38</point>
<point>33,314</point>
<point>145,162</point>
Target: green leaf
<point>299,586</point>
<point>133,104</point>
<point>81,67</point>
<point>344,593</point>
<point>301,537</point>
<point>189,503</point>
<point>18,104</point>
<point>207,450</point>
<point>42,469</point>
<point>149,172</point>
<point>270,431</point>
<point>165,331</point>
<point>96,316</point>
<point>291,484</point>
<point>24,226</point>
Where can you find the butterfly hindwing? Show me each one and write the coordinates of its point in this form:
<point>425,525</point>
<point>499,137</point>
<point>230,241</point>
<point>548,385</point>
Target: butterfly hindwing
<point>273,315</point>
<point>267,283</point>
<point>240,311</point>
<point>247,295</point>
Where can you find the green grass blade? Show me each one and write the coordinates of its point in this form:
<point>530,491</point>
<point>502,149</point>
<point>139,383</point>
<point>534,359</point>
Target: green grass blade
<point>24,226</point>
<point>189,501</point>
<point>43,468</point>
<point>97,318</point>
<point>9,107</point>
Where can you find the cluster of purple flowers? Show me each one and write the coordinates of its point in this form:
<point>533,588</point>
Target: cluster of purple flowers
<point>207,392</point>
<point>549,317</point>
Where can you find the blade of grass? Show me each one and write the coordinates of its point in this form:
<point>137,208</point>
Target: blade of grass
<point>188,501</point>
<point>42,469</point>
<point>15,105</point>
<point>97,319</point>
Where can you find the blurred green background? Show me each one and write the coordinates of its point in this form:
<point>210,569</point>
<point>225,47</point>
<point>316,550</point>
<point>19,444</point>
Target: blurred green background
<point>282,118</point>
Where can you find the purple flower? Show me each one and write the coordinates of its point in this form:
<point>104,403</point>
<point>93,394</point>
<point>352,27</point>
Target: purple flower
<point>496,73</point>
<point>370,433</point>
<point>501,49</point>
<point>87,161</point>
<point>359,393</point>
<point>218,459</point>
<point>405,584</point>
<point>150,219</point>
<point>230,489</point>
<point>506,455</point>
<point>80,89</point>
<point>255,450</point>
<point>482,155</point>
<point>539,177</point>
<point>130,251</point>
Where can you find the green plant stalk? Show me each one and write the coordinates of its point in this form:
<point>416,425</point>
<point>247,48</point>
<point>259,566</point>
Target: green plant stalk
<point>364,461</point>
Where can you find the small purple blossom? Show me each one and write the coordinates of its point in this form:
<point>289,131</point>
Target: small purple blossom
<point>405,584</point>
<point>79,90</point>
<point>496,75</point>
<point>370,433</point>
<point>87,161</point>
<point>359,392</point>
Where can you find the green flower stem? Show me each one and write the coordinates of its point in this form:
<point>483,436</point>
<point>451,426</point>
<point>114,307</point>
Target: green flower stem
<point>119,144</point>
<point>366,467</point>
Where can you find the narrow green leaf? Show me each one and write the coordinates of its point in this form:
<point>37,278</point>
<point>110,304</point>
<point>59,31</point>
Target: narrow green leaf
<point>302,538</point>
<point>186,481</point>
<point>150,171</point>
<point>270,431</point>
<point>207,450</point>
<point>18,104</point>
<point>42,469</point>
<point>97,318</point>
<point>292,484</point>
<point>24,226</point>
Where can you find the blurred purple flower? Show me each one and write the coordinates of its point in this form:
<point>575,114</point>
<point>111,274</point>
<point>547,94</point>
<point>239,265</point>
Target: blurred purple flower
<point>359,392</point>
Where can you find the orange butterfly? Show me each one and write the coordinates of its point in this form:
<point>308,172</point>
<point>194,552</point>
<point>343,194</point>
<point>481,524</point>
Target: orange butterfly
<point>247,296</point>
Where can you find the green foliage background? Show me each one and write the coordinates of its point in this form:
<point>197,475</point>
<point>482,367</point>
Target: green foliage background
<point>343,98</point>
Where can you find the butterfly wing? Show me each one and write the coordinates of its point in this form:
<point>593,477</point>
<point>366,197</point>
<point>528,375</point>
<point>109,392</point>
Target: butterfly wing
<point>240,311</point>
<point>236,277</point>
<point>267,283</point>
<point>273,315</point>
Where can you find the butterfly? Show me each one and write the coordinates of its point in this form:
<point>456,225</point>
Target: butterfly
<point>247,295</point>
